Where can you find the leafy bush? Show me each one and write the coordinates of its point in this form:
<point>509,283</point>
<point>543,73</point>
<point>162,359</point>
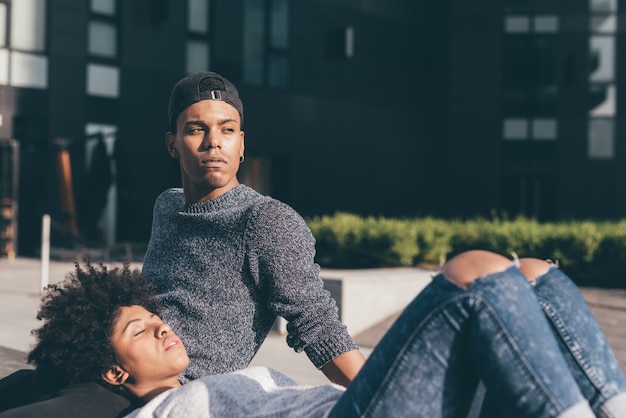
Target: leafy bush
<point>590,252</point>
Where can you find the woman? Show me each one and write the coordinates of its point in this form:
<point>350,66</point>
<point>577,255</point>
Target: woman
<point>519,327</point>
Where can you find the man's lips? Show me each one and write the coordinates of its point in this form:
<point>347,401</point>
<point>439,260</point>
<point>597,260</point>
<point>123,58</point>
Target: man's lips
<point>213,162</point>
<point>172,342</point>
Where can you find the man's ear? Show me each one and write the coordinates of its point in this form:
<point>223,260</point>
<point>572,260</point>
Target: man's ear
<point>115,376</point>
<point>170,141</point>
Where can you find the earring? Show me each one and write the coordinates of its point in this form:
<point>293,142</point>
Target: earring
<point>242,159</point>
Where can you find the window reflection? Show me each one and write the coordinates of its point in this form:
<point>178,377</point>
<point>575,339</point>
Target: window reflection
<point>105,7</point>
<point>608,6</point>
<point>601,138</point>
<point>197,56</point>
<point>28,70</point>
<point>102,39</point>
<point>103,80</point>
<point>601,49</point>
<point>3,25</point>
<point>28,23</point>
<point>266,42</point>
<point>198,16</point>
<point>602,100</point>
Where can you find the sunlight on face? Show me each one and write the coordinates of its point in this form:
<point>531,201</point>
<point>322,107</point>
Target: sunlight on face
<point>146,347</point>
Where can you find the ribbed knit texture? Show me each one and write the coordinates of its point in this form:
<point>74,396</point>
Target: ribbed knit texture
<point>225,268</point>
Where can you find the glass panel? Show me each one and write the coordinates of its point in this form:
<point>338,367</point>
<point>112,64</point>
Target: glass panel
<point>28,25</point>
<point>198,16</point>
<point>546,24</point>
<point>601,139</point>
<point>515,129</point>
<point>28,70</point>
<point>603,24</point>
<point>544,129</point>
<point>106,223</point>
<point>349,42</point>
<point>4,66</point>
<point>602,50</point>
<point>102,39</point>
<point>254,34</point>
<point>516,24</point>
<point>279,36</point>
<point>103,80</point>
<point>197,57</point>
<point>603,6</point>
<point>603,99</point>
<point>279,71</point>
<point>3,24</point>
<point>105,7</point>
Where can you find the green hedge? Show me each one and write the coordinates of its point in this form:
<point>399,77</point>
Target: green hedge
<point>592,253</point>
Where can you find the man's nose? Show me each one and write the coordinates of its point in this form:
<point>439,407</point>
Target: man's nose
<point>211,140</point>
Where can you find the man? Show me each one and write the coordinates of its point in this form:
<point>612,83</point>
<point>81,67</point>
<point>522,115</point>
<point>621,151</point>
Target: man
<point>226,261</point>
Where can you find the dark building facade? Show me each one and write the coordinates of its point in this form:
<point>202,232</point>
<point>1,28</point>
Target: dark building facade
<point>376,107</point>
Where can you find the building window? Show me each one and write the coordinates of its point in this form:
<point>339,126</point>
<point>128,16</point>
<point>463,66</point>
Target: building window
<point>103,80</point>
<point>267,43</point>
<point>537,129</point>
<point>198,50</point>
<point>602,86</point>
<point>3,25</point>
<point>534,24</point>
<point>103,7</point>
<point>28,70</point>
<point>102,39</point>
<point>530,84</point>
<point>23,44</point>
<point>601,134</point>
<point>102,48</point>
<point>198,16</point>
<point>28,25</point>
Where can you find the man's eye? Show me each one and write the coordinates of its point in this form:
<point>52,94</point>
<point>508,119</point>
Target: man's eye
<point>195,130</point>
<point>140,332</point>
<point>229,130</point>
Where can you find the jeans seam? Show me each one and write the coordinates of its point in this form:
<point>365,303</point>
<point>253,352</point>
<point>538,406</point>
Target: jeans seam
<point>521,361</point>
<point>573,347</point>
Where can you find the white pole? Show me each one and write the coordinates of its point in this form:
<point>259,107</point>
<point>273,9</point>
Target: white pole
<point>45,251</point>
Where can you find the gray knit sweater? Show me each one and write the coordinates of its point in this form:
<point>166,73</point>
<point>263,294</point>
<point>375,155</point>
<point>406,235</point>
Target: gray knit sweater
<point>225,268</point>
<point>253,392</point>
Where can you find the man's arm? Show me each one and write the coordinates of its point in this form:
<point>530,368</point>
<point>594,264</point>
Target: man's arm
<point>343,368</point>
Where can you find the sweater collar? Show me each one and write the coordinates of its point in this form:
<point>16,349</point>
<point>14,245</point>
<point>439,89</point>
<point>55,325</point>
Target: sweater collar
<point>231,198</point>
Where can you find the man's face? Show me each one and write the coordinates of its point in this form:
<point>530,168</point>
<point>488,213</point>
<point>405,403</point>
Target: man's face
<point>208,144</point>
<point>147,349</point>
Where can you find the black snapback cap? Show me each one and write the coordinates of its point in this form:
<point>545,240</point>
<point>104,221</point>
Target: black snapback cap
<point>204,85</point>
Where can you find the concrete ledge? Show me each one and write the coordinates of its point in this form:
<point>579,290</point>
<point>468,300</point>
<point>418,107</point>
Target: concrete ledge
<point>12,360</point>
<point>368,297</point>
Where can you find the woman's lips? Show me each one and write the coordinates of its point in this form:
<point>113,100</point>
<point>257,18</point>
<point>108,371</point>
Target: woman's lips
<point>172,342</point>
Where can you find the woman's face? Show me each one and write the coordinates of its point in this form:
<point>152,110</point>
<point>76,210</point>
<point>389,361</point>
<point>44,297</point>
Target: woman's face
<point>147,349</point>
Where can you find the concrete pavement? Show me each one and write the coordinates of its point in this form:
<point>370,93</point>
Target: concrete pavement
<point>20,293</point>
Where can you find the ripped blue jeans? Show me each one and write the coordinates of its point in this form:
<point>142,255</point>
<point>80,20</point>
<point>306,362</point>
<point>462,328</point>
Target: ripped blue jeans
<point>535,346</point>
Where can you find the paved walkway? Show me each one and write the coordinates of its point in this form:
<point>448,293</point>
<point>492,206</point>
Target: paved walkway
<point>20,293</point>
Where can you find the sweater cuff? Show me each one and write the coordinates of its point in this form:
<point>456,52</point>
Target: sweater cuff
<point>326,350</point>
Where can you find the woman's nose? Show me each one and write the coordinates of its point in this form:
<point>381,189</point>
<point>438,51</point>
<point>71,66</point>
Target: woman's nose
<point>163,330</point>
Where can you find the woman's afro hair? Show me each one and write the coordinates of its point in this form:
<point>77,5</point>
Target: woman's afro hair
<point>74,343</point>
